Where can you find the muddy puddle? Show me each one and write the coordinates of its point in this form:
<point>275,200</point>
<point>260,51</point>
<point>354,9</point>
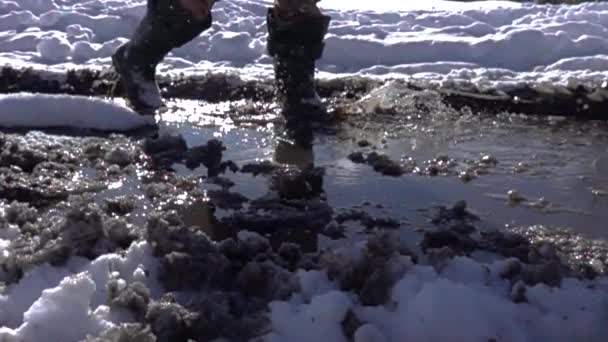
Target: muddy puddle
<point>365,173</point>
<point>510,169</point>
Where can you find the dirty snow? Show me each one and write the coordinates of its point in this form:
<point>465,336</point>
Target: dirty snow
<point>436,40</point>
<point>466,301</point>
<point>36,308</point>
<point>66,111</point>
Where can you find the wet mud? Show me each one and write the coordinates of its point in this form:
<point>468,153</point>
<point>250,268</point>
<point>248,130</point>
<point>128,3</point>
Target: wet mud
<point>577,101</point>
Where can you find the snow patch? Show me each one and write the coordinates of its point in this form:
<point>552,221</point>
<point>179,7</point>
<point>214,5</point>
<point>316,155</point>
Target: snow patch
<point>68,302</point>
<point>465,301</point>
<point>27,110</point>
<point>36,307</point>
<point>318,321</point>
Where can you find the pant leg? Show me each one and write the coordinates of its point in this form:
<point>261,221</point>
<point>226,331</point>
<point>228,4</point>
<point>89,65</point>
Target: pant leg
<point>178,19</point>
<point>296,8</point>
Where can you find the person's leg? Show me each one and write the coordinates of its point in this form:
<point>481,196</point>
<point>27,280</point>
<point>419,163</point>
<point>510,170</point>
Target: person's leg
<point>167,24</point>
<point>296,31</point>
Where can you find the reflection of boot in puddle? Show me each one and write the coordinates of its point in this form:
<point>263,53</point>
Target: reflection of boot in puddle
<point>201,214</point>
<point>293,210</point>
<point>293,154</point>
<point>298,179</point>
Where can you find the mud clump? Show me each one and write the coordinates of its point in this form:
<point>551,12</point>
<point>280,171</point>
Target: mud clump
<point>119,156</point>
<point>227,200</point>
<point>134,297</point>
<point>460,243</point>
<point>350,325</point>
<point>384,165</point>
<point>41,171</point>
<point>184,271</point>
<point>548,272</point>
<point>290,253</point>
<point>209,317</point>
<point>239,277</point>
<point>357,157</point>
<point>53,239</point>
<point>260,168</point>
<point>166,143</point>
<point>507,244</point>
<point>209,155</point>
<point>14,154</point>
<point>20,213</point>
<point>266,280</point>
<point>170,321</point>
<point>166,150</point>
<point>381,163</point>
<point>441,165</point>
<point>373,274</point>
<point>273,215</point>
<point>456,218</point>
<point>367,220</point>
<point>223,182</point>
<point>120,232</point>
<point>299,184</point>
<point>188,258</point>
<point>120,206</point>
<point>363,143</point>
<point>39,190</point>
<point>334,231</point>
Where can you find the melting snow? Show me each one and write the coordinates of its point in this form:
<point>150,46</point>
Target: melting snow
<point>467,301</point>
<point>66,111</point>
<point>37,308</point>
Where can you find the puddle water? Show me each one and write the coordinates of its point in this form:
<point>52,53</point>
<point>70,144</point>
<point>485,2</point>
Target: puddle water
<point>564,163</point>
<point>559,166</point>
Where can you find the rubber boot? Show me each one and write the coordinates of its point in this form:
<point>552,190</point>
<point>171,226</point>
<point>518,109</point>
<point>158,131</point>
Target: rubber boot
<point>164,27</point>
<point>296,43</point>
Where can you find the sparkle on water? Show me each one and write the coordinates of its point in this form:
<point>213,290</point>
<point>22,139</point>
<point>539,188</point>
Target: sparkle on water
<point>558,166</point>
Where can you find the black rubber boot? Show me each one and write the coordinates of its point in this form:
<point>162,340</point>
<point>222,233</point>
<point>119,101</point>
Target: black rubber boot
<point>296,43</point>
<point>164,27</point>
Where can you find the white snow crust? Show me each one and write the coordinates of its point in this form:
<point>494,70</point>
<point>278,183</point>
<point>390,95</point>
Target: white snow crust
<point>27,110</point>
<point>496,42</point>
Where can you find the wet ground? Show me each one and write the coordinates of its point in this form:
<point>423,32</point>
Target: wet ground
<point>558,167</point>
<point>512,170</point>
<point>447,181</point>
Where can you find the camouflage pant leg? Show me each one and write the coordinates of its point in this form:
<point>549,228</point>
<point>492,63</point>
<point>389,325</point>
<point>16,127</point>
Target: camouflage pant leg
<point>295,8</point>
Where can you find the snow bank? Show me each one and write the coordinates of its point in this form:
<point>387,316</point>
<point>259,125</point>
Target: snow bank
<point>486,40</point>
<point>467,301</point>
<point>27,110</point>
